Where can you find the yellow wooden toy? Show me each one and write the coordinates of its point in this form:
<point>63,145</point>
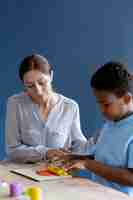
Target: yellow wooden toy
<point>35,193</point>
<point>57,170</point>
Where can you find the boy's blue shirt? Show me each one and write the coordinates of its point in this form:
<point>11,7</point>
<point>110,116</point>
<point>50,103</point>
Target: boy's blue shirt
<point>115,148</point>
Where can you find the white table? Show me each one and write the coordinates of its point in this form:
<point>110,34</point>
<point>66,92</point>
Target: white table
<point>63,189</point>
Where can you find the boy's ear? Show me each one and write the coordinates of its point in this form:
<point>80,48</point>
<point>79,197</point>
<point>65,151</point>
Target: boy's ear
<point>127,98</point>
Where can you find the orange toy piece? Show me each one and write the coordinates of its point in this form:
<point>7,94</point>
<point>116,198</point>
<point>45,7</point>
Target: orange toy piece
<point>45,172</point>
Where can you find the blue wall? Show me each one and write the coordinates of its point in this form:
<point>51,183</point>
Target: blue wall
<point>75,35</point>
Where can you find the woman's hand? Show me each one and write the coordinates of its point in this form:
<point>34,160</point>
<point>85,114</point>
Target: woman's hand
<point>55,154</point>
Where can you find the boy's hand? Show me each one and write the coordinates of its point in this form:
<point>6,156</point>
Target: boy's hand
<point>75,164</point>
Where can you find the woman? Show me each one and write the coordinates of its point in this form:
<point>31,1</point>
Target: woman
<point>39,121</point>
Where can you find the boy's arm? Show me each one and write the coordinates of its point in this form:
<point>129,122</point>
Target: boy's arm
<point>118,175</point>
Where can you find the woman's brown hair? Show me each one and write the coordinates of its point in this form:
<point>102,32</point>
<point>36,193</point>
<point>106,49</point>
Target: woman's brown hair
<point>34,62</point>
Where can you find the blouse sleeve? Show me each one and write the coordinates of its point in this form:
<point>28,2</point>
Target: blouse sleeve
<point>14,147</point>
<point>79,142</point>
<point>77,137</point>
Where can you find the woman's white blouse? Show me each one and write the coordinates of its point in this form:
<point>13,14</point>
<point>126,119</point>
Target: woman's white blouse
<point>28,137</point>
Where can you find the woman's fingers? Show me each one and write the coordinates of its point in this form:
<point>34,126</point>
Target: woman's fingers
<point>51,154</point>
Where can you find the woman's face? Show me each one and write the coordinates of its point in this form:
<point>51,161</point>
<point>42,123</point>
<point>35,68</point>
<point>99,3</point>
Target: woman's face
<point>37,84</point>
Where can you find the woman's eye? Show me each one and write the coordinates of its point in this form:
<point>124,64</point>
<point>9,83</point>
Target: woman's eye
<point>42,83</point>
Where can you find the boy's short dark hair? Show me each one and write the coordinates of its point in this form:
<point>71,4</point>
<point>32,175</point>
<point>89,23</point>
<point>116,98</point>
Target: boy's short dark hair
<point>113,77</point>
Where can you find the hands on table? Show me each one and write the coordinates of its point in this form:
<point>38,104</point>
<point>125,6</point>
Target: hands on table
<point>66,159</point>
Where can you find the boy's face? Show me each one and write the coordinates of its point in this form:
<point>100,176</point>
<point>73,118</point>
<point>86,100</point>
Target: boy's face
<point>112,107</point>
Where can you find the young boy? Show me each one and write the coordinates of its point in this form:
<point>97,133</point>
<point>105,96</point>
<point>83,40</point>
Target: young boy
<point>113,153</point>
